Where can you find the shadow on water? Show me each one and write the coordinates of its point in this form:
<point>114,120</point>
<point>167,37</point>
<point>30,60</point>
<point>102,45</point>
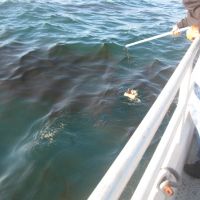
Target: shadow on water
<point>70,142</point>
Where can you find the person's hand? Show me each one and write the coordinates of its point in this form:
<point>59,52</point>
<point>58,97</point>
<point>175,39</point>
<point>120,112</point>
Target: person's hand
<point>175,31</point>
<point>192,33</point>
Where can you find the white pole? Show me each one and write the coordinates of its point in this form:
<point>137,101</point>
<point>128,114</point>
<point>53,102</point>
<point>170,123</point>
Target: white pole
<point>154,37</point>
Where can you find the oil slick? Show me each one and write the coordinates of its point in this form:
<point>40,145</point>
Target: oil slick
<point>132,95</point>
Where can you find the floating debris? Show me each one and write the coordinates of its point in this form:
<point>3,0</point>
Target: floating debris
<point>132,95</point>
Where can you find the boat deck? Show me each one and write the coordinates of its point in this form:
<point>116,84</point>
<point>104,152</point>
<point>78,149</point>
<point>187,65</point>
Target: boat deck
<point>190,187</point>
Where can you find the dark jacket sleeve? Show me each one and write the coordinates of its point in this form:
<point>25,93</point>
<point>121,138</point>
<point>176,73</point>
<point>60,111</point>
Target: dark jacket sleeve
<point>193,14</point>
<point>183,23</point>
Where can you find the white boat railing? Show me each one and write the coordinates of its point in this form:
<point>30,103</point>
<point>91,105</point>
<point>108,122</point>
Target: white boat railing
<point>162,173</point>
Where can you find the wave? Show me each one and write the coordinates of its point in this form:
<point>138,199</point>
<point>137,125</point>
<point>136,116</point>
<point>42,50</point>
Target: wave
<point>69,71</point>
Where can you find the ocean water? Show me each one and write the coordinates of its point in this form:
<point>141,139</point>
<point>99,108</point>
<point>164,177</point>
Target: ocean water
<point>63,72</point>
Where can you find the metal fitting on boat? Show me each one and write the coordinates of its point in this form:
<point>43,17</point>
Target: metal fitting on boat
<point>167,188</point>
<point>169,181</point>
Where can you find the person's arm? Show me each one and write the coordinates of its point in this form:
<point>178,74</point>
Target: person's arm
<point>192,18</point>
<point>183,23</point>
<point>193,14</point>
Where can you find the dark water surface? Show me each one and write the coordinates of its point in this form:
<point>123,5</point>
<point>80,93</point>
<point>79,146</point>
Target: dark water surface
<point>63,72</point>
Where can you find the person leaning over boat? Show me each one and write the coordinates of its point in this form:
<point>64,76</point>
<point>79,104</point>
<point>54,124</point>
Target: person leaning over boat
<point>193,20</point>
